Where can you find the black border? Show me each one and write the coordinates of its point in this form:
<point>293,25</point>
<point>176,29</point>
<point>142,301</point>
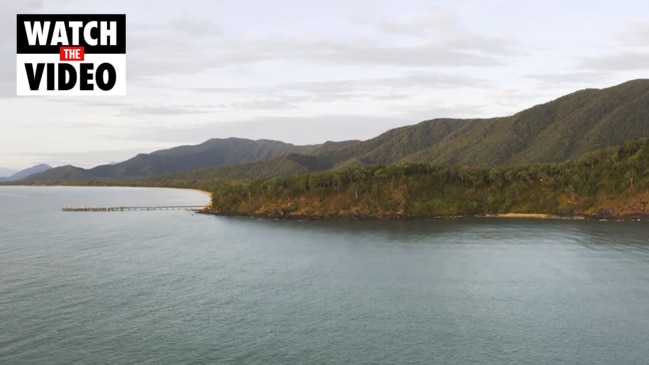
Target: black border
<point>22,46</point>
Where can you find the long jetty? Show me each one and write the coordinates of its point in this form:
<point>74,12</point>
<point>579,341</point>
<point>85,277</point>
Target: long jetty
<point>130,208</point>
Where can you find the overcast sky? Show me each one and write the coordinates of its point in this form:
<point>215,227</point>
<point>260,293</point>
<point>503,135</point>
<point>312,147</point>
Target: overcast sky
<point>310,71</point>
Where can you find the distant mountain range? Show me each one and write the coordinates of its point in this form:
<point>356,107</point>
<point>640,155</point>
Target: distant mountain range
<point>559,130</point>
<point>214,152</point>
<point>19,175</point>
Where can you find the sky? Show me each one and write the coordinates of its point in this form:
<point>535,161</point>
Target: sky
<point>306,72</point>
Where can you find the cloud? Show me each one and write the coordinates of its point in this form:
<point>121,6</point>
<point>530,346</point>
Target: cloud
<point>635,35</point>
<point>178,46</point>
<point>442,29</point>
<point>620,61</point>
<point>411,83</point>
<point>129,109</point>
<point>300,130</point>
<point>631,53</point>
<point>291,93</point>
<point>305,129</point>
<point>194,28</point>
<point>155,52</point>
<point>262,104</point>
<point>569,78</point>
<point>92,102</point>
<point>434,20</point>
<point>85,125</point>
<point>427,112</point>
<point>220,90</point>
<point>360,53</point>
<point>195,45</point>
<point>150,58</point>
<point>157,110</point>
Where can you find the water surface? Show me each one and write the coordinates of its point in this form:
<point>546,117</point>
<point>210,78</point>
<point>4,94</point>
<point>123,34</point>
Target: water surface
<point>163,287</point>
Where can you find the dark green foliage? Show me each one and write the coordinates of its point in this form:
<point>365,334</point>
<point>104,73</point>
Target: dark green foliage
<point>559,130</point>
<point>583,186</point>
<point>609,182</point>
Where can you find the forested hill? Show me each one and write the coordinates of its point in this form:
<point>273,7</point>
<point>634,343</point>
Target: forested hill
<point>214,152</point>
<point>608,183</point>
<point>559,130</point>
<point>556,131</point>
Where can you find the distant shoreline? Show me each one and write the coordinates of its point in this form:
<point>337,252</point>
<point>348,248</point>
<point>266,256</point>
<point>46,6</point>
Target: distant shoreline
<point>208,205</point>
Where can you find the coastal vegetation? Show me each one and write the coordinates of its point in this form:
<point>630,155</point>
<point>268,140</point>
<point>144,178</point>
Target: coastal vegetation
<point>613,182</point>
<point>584,154</point>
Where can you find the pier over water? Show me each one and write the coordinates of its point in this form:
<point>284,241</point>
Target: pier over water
<point>130,208</point>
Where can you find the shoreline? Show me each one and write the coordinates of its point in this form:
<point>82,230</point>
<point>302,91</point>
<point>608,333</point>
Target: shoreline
<point>629,218</point>
<point>209,196</point>
<point>207,205</point>
<point>281,215</point>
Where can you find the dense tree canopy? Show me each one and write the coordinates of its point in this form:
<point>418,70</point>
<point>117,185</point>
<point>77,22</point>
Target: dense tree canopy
<point>608,182</point>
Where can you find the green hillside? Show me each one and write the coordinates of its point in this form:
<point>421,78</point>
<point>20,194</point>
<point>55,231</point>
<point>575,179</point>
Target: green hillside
<point>586,154</point>
<point>559,130</point>
<point>608,183</point>
<point>214,152</point>
<point>556,131</point>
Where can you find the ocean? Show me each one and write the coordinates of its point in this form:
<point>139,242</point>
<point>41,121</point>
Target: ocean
<point>176,287</point>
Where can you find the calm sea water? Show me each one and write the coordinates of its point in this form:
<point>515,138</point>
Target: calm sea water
<point>172,287</point>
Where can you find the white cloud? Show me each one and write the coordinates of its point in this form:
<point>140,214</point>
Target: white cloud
<point>156,110</point>
<point>569,78</point>
<point>617,62</point>
<point>635,34</point>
